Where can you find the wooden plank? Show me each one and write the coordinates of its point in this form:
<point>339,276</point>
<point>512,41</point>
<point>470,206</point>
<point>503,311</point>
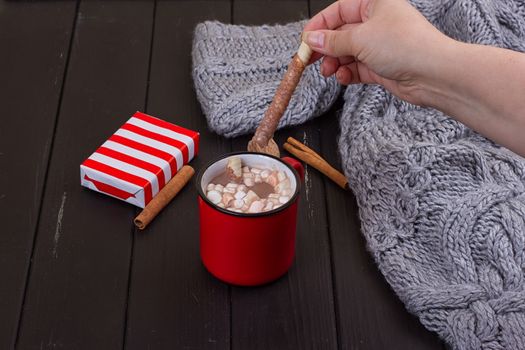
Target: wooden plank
<point>297,311</point>
<point>258,12</point>
<point>76,298</point>
<point>370,316</point>
<point>174,303</point>
<point>318,5</point>
<point>34,46</point>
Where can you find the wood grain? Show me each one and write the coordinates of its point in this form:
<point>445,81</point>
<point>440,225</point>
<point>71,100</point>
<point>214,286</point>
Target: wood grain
<point>76,298</point>
<point>34,46</point>
<point>318,5</point>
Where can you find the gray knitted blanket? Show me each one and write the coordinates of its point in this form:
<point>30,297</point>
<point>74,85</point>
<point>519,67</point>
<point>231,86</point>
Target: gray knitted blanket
<point>442,208</point>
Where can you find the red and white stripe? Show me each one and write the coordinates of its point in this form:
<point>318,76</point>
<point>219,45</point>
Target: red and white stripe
<point>139,159</point>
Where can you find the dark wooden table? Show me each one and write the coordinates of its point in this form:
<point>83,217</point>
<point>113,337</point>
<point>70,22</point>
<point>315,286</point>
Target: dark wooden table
<point>74,272</point>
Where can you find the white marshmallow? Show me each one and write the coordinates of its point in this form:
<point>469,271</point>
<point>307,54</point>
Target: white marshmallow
<point>246,169</point>
<point>228,190</point>
<point>240,195</point>
<point>283,185</point>
<point>210,187</point>
<point>238,203</point>
<point>269,206</point>
<point>249,182</point>
<point>250,197</point>
<point>219,188</point>
<point>214,196</point>
<point>258,179</point>
<point>232,185</point>
<point>242,188</point>
<point>227,198</point>
<point>284,199</point>
<point>274,195</point>
<point>265,174</point>
<point>248,175</point>
<point>286,192</point>
<point>256,207</point>
<point>281,176</point>
<point>256,171</point>
<point>234,167</point>
<point>272,179</point>
<point>275,201</point>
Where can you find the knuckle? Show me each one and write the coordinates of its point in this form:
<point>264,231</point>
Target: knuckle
<point>332,43</point>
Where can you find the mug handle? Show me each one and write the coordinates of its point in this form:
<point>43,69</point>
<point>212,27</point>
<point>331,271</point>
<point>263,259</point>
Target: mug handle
<point>296,165</point>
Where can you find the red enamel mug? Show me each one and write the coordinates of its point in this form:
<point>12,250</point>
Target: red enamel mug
<point>243,248</point>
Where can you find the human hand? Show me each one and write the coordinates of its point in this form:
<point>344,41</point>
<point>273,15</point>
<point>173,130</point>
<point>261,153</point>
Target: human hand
<point>386,42</point>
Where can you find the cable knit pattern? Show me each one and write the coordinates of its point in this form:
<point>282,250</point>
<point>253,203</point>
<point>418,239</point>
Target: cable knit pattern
<point>236,70</point>
<point>442,208</point>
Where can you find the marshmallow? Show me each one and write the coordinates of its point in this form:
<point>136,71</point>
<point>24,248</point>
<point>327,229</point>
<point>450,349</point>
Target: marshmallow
<point>275,201</point>
<point>269,206</point>
<point>265,174</point>
<point>232,185</point>
<point>227,198</point>
<point>238,203</point>
<point>249,182</point>
<point>210,187</point>
<point>240,195</point>
<point>228,190</point>
<point>256,171</point>
<point>272,179</point>
<point>281,176</point>
<point>219,188</point>
<point>214,196</point>
<point>248,175</point>
<point>250,197</point>
<point>245,169</point>
<point>256,207</point>
<point>234,167</point>
<point>258,179</point>
<point>287,192</point>
<point>284,199</point>
<point>221,205</point>
<point>283,185</point>
<point>242,188</point>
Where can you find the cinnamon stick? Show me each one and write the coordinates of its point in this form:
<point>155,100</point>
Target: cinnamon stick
<point>281,99</point>
<point>161,199</point>
<point>313,159</point>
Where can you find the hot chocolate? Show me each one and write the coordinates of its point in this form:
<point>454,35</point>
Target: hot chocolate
<point>249,190</point>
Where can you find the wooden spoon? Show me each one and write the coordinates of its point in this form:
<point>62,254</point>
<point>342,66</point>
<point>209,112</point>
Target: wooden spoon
<point>262,140</point>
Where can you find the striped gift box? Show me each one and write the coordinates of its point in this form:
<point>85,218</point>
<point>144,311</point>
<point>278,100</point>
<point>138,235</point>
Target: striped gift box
<point>139,159</point>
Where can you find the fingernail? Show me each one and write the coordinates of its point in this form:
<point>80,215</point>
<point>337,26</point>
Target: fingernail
<point>341,78</point>
<point>339,75</point>
<point>314,39</point>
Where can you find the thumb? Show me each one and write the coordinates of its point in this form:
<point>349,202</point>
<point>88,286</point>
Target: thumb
<point>335,43</point>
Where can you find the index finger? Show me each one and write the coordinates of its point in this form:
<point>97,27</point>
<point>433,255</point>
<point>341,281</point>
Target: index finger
<point>337,14</point>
